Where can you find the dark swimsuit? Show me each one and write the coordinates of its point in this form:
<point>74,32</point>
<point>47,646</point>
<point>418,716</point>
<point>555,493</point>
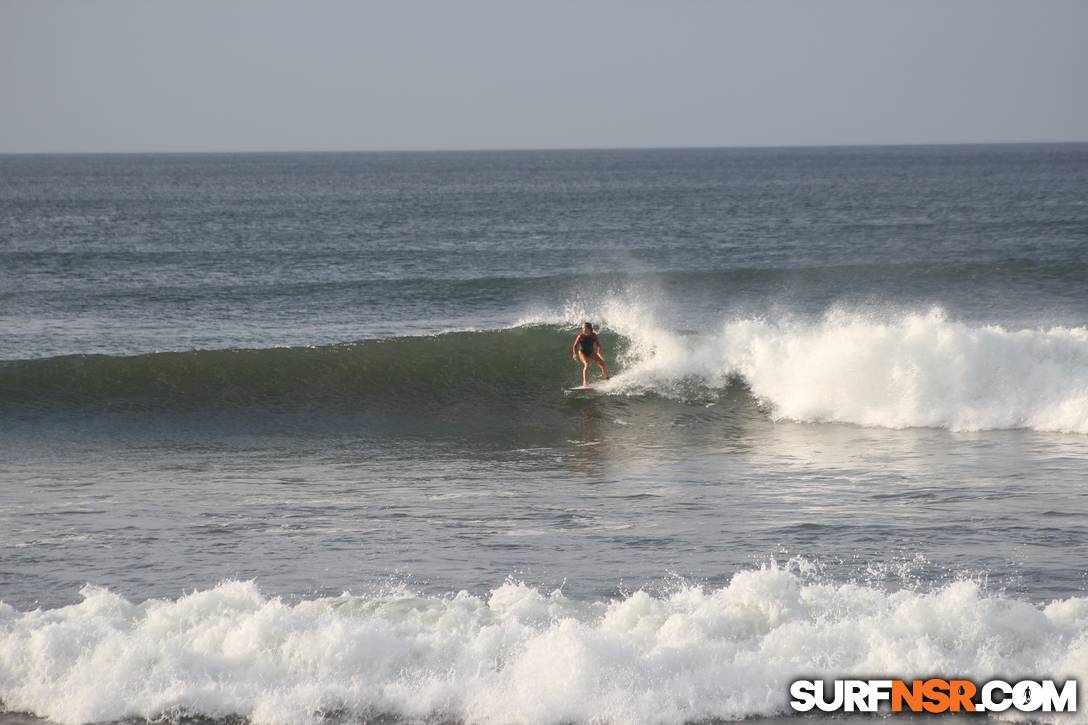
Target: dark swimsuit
<point>588,345</point>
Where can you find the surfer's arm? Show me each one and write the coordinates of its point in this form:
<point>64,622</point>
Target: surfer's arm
<point>574,347</point>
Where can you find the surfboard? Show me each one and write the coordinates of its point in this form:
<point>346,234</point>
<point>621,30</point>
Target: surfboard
<point>582,391</point>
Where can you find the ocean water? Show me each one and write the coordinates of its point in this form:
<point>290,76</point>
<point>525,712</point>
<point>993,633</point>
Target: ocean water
<point>286,437</point>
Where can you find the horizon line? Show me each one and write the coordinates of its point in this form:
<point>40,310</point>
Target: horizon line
<point>557,149</point>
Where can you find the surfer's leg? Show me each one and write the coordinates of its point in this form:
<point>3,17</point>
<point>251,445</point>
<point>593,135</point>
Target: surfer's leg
<point>601,364</point>
<point>585,368</point>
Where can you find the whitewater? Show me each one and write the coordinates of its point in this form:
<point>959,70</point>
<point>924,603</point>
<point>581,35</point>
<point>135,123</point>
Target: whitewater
<point>517,654</point>
<point>871,369</point>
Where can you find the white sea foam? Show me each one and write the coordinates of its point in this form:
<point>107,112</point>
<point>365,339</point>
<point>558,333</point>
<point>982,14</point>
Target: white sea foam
<point>517,655</point>
<point>892,370</point>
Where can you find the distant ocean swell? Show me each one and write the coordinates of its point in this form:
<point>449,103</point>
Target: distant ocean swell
<point>518,654</point>
<point>895,371</point>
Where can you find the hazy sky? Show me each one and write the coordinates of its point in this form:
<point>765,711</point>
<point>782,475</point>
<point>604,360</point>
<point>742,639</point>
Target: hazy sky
<point>142,75</point>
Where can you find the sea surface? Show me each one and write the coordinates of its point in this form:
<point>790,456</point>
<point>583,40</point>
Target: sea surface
<point>289,437</point>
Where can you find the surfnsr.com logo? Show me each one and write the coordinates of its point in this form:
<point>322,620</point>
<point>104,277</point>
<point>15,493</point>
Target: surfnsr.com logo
<point>933,696</point>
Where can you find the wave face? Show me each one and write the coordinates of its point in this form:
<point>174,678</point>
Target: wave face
<point>892,370</point>
<point>405,372</point>
<point>517,654</point>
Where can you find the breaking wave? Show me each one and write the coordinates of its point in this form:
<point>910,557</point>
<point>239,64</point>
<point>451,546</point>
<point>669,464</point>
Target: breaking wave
<point>907,370</point>
<point>887,370</point>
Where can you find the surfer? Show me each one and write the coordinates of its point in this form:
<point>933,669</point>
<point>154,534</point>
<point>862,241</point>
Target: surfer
<point>587,346</point>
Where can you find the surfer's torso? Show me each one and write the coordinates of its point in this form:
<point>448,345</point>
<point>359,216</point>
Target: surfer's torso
<point>587,343</point>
